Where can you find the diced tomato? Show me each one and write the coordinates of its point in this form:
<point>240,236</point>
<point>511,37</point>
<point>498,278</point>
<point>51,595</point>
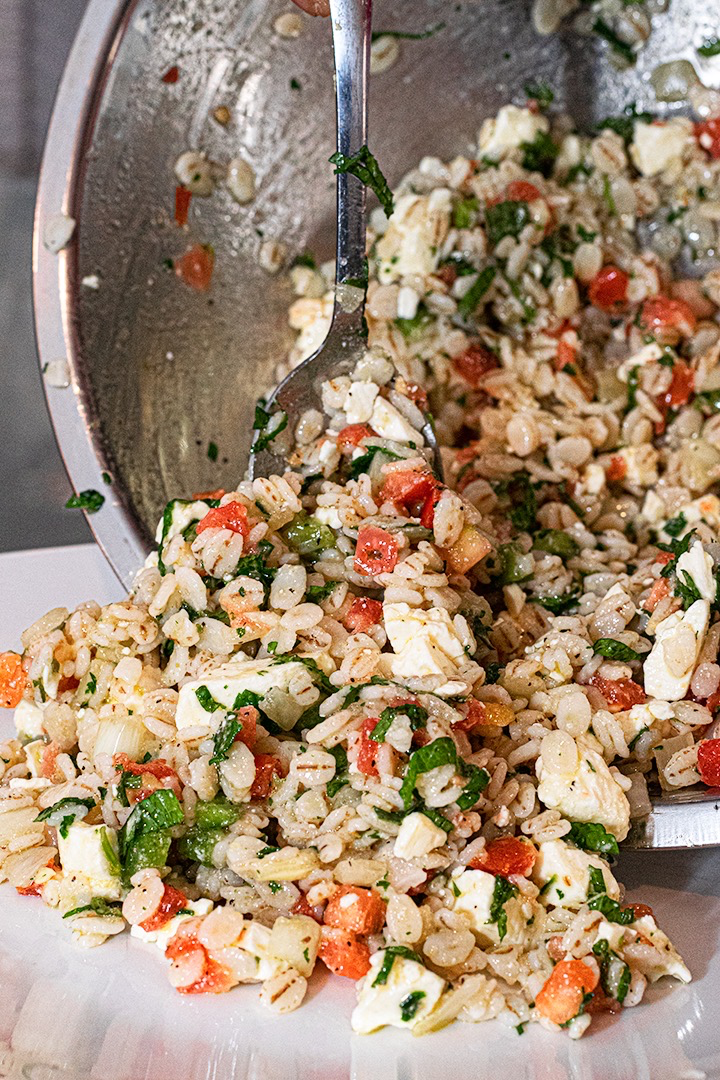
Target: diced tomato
<point>67,683</point>
<point>344,954</point>
<point>215,978</point>
<point>713,702</point>
<point>49,758</point>
<point>29,890</point>
<point>707,134</point>
<point>709,761</point>
<point>620,694</point>
<point>690,291</point>
<point>362,614</point>
<point>566,354</point>
<point>367,748</point>
<point>602,1002</point>
<point>232,515</point>
<point>195,267</point>
<point>663,558</point>
<point>467,551</point>
<point>608,289</point>
<point>172,902</point>
<point>616,470</point>
<point>355,910</point>
<point>216,494</point>
<point>182,205</point>
<point>681,388</point>
<point>474,364</point>
<point>248,717</point>
<point>171,75</point>
<point>561,996</point>
<point>641,910</point>
<point>266,767</point>
<point>12,680</point>
<point>659,591</point>
<point>302,907</point>
<point>484,714</point>
<point>376,551</point>
<point>351,436</point>
<point>506,856</point>
<point>417,493</point>
<point>159,769</point>
<point>662,313</point>
<point>522,191</point>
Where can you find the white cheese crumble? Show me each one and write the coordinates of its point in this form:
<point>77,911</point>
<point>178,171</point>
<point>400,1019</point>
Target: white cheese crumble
<point>657,146</point>
<point>418,835</point>
<point>509,129</point>
<point>385,1003</point>
<point>425,643</point>
<point>564,872</point>
<point>669,666</point>
<point>588,793</point>
<point>82,856</point>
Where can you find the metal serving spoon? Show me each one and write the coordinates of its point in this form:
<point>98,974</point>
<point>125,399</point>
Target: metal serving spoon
<point>346,342</point>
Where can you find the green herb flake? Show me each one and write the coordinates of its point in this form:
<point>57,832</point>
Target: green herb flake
<point>468,303</point>
<point>598,900</point>
<point>541,92</point>
<point>559,605</point>
<point>212,451</point>
<point>502,892</point>
<point>592,836</point>
<point>412,329</point>
<point>615,650</point>
<point>361,464</point>
<point>90,501</point>
<point>389,956</point>
<point>415,713</point>
<point>98,906</point>
<point>261,423</point>
<point>540,154</point>
<point>556,542</point>
<point>364,166</point>
<point>618,46</point>
<point>507,218</point>
<point>709,47</point>
<point>465,212</point>
<point>410,1004</point>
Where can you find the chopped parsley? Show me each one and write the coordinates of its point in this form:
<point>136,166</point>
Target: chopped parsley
<point>507,218</point>
<point>362,464</point>
<point>316,594</point>
<point>593,836</point>
<point>465,213</point>
<point>212,451</point>
<point>675,525</point>
<point>467,304</point>
<point>615,650</point>
<point>415,713</point>
<point>62,814</point>
<point>540,154</point>
<point>541,92</point>
<point>411,329</point>
<point>90,501</point>
<point>624,125</point>
<point>709,47</point>
<point>556,542</point>
<point>559,605</point>
<point>502,892</point>
<point>618,46</point>
<point>410,1004</point>
<point>98,906</point>
<point>389,956</point>
<point>598,900</point>
<point>260,424</point>
<point>341,778</point>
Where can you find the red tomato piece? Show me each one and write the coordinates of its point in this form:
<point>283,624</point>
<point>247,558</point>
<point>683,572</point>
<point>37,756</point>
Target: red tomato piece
<point>563,992</point>
<point>355,910</point>
<point>344,954</point>
<point>215,978</point>
<point>362,614</point>
<point>12,680</point>
<point>302,907</point>
<point>417,493</point>
<point>485,714</point>
<point>232,515</point>
<point>376,551</point>
<point>367,749</point>
<point>620,694</point>
<point>159,770</point>
<point>709,762</point>
<point>713,702</point>
<point>641,910</point>
<point>616,470</point>
<point>474,364</point>
<point>182,204</point>
<point>659,590</point>
<point>216,494</point>
<point>47,762</point>
<point>681,388</point>
<point>505,856</point>
<point>565,354</point>
<point>248,717</point>
<point>661,313</point>
<point>195,267</point>
<point>266,767</point>
<point>172,902</point>
<point>351,436</point>
<point>608,289</point>
<point>28,890</point>
<point>522,191</point>
<point>171,75</point>
<point>708,135</point>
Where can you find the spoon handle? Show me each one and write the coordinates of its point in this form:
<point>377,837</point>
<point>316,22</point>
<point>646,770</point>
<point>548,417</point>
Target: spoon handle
<point>351,21</point>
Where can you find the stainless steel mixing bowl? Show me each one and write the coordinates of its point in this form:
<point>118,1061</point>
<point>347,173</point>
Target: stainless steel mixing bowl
<point>158,371</point>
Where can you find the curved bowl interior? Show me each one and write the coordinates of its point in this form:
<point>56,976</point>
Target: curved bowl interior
<point>160,371</point>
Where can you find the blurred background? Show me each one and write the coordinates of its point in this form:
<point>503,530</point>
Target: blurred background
<point>35,38</point>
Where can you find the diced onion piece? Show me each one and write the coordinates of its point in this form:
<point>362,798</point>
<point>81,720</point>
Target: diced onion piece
<point>121,736</point>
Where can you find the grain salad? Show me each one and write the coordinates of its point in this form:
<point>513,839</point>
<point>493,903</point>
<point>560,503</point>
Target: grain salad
<point>355,715</point>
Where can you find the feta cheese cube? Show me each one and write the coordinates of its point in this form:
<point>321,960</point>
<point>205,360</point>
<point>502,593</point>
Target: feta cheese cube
<point>162,935</point>
<point>646,355</point>
<point>226,682</point>
<point>509,129</point>
<point>699,565</point>
<point>413,239</point>
<point>641,464</point>
<point>615,934</point>
<point>474,895</point>
<point>28,719</point>
<point>359,402</point>
<point>670,961</point>
<point>658,146</point>
<point>255,940</point>
<point>588,793</point>
<point>328,515</point>
<point>83,858</point>
<point>390,423</point>
<point>182,513</point>
<point>425,642</point>
<point>564,872</point>
<point>679,636</point>
<point>418,835</point>
<point>706,508</point>
<point>407,304</point>
<point>408,995</point>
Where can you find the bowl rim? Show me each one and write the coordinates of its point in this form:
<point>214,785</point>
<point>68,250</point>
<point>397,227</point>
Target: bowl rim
<point>56,279</point>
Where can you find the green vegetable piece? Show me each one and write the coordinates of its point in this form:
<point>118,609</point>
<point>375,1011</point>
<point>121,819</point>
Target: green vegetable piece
<point>437,818</point>
<point>219,813</point>
<point>148,850</point>
<point>362,464</point>
<point>224,739</point>
<point>157,812</point>
<point>341,778</point>
<point>618,46</point>
<point>598,900</point>
<point>541,92</point>
<point>465,212</point>
<point>507,218</point>
<point>413,328</point>
<point>212,451</point>
<point>558,605</point>
<point>593,836</point>
<point>261,424</point>
<point>439,752</point>
<point>709,47</point>
<point>675,525</point>
<point>510,567</point>
<point>479,780</point>
<point>89,500</point>
<point>467,304</point>
<point>207,701</point>
<point>540,154</point>
<point>416,714</point>
<point>65,810</point>
<point>389,956</point>
<point>98,906</point>
<point>364,166</point>
<point>308,536</point>
<point>199,843</point>
<point>410,1004</point>
<point>615,650</point>
<point>502,892</point>
<point>316,594</point>
<point>523,500</point>
<point>319,677</point>
<point>624,125</point>
<point>556,542</point>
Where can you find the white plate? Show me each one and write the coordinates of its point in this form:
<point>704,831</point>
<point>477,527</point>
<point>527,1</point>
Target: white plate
<point>110,1014</point>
